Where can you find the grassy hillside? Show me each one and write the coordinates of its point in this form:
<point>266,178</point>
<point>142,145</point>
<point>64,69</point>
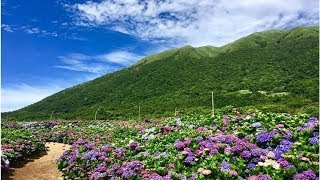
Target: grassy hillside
<point>272,70</point>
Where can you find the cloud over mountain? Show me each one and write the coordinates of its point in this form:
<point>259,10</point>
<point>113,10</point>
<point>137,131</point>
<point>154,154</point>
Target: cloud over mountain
<point>195,22</point>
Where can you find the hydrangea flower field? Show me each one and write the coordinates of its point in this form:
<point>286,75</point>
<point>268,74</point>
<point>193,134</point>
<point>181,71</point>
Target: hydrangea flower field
<point>258,146</point>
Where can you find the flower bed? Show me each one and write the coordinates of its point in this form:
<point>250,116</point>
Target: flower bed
<point>18,144</point>
<point>255,146</point>
<point>261,146</point>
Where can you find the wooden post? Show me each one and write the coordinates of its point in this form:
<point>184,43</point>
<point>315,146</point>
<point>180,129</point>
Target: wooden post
<point>212,102</point>
<point>175,112</point>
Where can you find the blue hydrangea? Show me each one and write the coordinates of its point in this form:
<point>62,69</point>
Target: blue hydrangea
<point>288,134</point>
<point>251,166</point>
<point>256,125</point>
<point>314,140</point>
<point>283,147</point>
<point>225,166</point>
<point>265,136</point>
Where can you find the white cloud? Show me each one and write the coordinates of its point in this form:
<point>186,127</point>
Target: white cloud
<point>45,33</point>
<point>99,64</point>
<point>40,32</point>
<point>16,97</point>
<point>82,63</point>
<point>7,27</point>
<point>75,37</point>
<point>195,22</point>
<point>32,31</point>
<point>120,57</point>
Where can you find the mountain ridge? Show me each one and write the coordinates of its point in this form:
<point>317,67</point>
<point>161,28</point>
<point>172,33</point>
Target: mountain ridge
<point>269,61</point>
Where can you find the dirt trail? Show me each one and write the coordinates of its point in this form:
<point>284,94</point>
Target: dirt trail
<point>43,168</point>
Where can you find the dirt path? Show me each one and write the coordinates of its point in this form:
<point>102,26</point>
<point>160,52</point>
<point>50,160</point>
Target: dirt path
<point>43,168</point>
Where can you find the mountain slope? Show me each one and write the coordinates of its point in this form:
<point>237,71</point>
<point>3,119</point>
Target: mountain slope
<point>272,70</point>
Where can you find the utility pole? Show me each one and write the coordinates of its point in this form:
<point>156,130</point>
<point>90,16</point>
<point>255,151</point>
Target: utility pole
<point>212,102</point>
<point>51,115</point>
<point>95,115</point>
<point>139,113</point>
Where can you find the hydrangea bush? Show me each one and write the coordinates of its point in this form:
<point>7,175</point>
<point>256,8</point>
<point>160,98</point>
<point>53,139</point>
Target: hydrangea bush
<point>255,147</point>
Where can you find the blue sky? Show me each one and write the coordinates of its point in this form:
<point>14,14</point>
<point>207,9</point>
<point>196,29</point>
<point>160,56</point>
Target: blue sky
<point>50,45</point>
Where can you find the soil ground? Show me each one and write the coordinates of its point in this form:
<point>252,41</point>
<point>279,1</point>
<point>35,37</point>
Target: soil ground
<point>41,167</point>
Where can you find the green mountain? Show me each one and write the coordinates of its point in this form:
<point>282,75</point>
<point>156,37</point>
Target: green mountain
<point>271,70</point>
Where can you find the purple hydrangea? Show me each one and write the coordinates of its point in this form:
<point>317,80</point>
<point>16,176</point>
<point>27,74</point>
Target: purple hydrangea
<point>101,168</point>
<point>179,144</point>
<point>96,176</point>
<point>238,118</point>
<point>256,152</point>
<point>247,138</point>
<point>171,165</point>
<point>225,138</point>
<point>288,134</point>
<point>157,177</point>
<point>313,120</point>
<point>315,139</point>
<point>224,128</point>
<point>213,152</point>
<point>283,163</point>
<point>80,141</point>
<point>187,141</point>
<point>88,155</point>
<point>279,126</point>
<point>128,173</point>
<point>119,152</point>
<point>206,144</point>
<point>310,174</point>
<point>89,146</point>
<point>131,169</point>
<point>138,149</point>
<point>93,158</point>
<point>299,128</point>
<point>259,177</point>
<point>225,166</point>
<point>73,156</point>
<point>189,159</point>
<point>5,164</point>
<point>305,175</point>
<point>310,125</point>
<point>105,148</point>
<point>225,120</point>
<point>192,177</point>
<point>228,150</point>
<point>286,144</point>
<point>246,154</point>
<point>256,160</point>
<point>199,138</point>
<point>133,145</point>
